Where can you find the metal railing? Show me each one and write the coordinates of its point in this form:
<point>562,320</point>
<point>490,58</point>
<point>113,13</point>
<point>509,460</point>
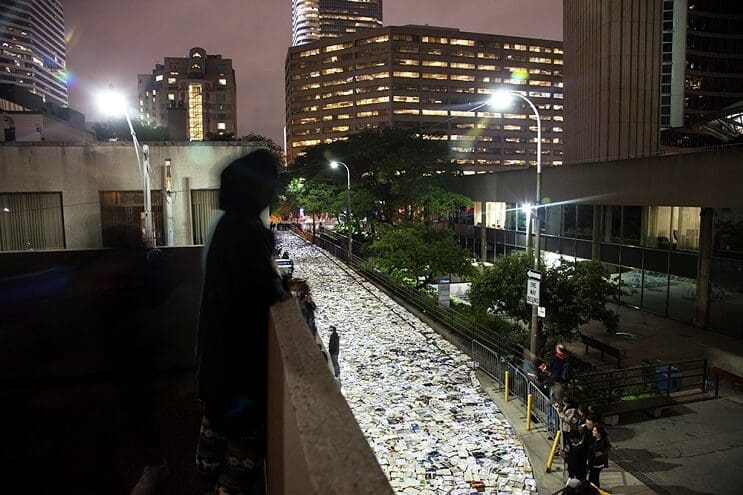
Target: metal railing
<point>648,380</point>
<point>519,384</point>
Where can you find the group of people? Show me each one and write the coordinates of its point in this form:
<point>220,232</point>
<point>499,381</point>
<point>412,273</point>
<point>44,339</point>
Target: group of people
<point>585,445</point>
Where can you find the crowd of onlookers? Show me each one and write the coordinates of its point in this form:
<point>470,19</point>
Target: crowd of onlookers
<point>585,444</point>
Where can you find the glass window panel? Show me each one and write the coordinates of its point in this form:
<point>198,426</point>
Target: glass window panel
<point>632,224</point>
<point>569,213</point>
<point>726,301</point>
<point>728,233</point>
<point>552,216</point>
<point>631,285</point>
<point>655,292</point>
<point>682,293</point>
<point>584,222</point>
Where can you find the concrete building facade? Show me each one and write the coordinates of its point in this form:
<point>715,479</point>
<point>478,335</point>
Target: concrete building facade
<point>315,19</point>
<point>612,79</point>
<point>64,196</point>
<point>32,36</point>
<point>437,80</point>
<point>193,96</point>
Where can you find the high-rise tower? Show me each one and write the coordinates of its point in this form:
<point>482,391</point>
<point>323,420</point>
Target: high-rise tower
<point>33,47</point>
<point>315,19</point>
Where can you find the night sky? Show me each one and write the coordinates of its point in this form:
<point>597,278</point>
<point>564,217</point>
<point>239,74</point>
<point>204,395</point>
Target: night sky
<point>111,42</point>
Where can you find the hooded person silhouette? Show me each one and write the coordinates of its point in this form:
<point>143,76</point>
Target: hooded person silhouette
<point>240,284</point>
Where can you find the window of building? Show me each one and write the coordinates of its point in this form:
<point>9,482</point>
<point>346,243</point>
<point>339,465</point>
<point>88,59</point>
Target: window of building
<point>433,75</point>
<point>172,80</point>
<point>222,82</point>
<point>221,126</point>
<point>408,74</point>
<point>434,39</point>
<point>455,41</point>
<point>158,77</point>
<point>461,77</point>
<point>204,208</point>
<point>462,65</point>
<point>171,96</point>
<point>435,63</point>
<point>31,221</point>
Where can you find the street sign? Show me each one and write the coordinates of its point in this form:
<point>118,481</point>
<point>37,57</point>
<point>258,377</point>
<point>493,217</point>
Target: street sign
<point>541,312</point>
<point>532,287</point>
<point>532,292</point>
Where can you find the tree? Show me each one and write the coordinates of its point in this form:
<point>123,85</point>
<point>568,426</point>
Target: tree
<point>419,252</point>
<point>118,130</point>
<point>391,163</point>
<point>573,293</point>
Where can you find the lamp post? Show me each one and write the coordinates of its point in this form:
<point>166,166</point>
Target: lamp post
<point>502,98</point>
<point>114,104</point>
<point>334,164</point>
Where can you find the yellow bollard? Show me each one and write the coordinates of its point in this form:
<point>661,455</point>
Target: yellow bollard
<point>506,385</point>
<point>555,443</point>
<point>528,412</point>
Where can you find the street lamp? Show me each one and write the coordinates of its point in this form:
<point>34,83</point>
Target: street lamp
<point>334,164</point>
<point>114,104</point>
<point>501,99</point>
<point>526,209</point>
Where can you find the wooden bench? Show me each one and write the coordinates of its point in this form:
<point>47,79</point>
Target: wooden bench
<point>604,348</point>
<point>653,405</point>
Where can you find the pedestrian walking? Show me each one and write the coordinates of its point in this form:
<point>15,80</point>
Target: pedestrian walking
<point>334,350</point>
<point>240,283</point>
<point>599,454</point>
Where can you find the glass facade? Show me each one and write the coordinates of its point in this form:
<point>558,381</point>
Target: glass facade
<point>651,252</point>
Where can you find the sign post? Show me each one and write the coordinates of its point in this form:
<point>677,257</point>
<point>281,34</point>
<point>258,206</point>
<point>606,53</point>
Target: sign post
<point>532,287</point>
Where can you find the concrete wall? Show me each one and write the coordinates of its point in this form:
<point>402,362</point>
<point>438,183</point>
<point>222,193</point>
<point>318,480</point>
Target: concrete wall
<point>315,445</point>
<point>80,172</point>
<point>54,129</point>
<point>704,179</point>
<point>101,314</point>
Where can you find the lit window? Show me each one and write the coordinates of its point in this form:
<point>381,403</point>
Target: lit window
<point>433,39</point>
<point>159,77</point>
<point>540,60</point>
<point>407,99</point>
<point>196,55</point>
<point>223,82</point>
<point>171,80</point>
<point>441,113</point>
<point>427,75</point>
<point>154,92</point>
<point>455,41</point>
<point>171,96</point>
<point>435,63</point>
<point>412,75</point>
<point>462,65</point>
<point>221,126</point>
<point>459,77</point>
<point>406,111</point>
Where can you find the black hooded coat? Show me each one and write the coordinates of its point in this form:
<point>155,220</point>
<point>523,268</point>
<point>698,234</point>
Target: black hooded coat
<point>240,283</point>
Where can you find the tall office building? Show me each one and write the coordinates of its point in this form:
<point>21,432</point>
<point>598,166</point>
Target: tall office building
<point>434,80</point>
<point>33,47</point>
<point>315,19</point>
<point>193,96</point>
<point>701,69</point>
<point>639,75</point>
<point>612,79</point>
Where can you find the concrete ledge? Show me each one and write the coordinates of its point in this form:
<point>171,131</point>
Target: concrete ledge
<point>315,445</point>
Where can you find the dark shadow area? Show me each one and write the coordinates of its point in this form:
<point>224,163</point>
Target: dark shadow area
<point>641,460</point>
<point>620,434</point>
<point>96,368</point>
<point>641,416</point>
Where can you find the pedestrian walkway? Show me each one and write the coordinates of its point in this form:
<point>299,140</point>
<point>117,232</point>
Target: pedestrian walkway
<point>432,427</point>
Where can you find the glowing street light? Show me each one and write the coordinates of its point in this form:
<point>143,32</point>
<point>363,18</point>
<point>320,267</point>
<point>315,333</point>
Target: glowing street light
<point>501,99</point>
<point>113,103</point>
<point>334,164</point>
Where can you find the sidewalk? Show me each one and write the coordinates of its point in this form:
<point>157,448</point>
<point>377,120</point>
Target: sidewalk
<point>614,478</point>
<point>645,336</point>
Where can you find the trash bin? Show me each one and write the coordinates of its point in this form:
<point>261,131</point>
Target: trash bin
<point>661,378</point>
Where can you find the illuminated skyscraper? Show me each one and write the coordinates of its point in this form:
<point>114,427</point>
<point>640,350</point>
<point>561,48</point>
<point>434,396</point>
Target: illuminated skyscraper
<point>315,19</point>
<point>33,47</point>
